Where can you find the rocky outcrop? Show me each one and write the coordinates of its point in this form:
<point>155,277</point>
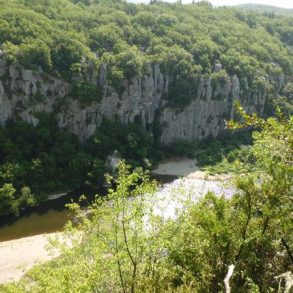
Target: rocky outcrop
<point>23,93</point>
<point>206,114</point>
<point>141,97</point>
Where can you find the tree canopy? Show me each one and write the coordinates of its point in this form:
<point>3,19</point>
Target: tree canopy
<point>186,40</point>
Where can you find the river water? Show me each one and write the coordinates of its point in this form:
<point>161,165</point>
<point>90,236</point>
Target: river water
<point>49,216</point>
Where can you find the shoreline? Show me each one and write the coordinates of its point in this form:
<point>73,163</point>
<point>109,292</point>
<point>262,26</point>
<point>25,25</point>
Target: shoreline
<point>58,195</point>
<point>186,168</point>
<point>20,255</point>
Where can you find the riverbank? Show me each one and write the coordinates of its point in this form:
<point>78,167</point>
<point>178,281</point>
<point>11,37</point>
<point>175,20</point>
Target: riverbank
<point>18,256</point>
<point>58,195</point>
<point>184,167</point>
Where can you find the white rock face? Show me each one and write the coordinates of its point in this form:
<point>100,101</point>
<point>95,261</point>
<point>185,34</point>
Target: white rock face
<point>141,97</point>
<point>206,114</point>
<point>25,92</point>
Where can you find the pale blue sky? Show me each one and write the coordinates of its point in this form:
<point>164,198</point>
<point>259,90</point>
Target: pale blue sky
<point>279,3</point>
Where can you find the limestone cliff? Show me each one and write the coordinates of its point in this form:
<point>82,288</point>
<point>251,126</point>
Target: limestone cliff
<point>24,93</point>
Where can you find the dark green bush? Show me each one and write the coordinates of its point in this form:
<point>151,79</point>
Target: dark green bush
<point>87,93</point>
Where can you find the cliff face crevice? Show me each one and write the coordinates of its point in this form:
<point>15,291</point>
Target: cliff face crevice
<point>24,93</point>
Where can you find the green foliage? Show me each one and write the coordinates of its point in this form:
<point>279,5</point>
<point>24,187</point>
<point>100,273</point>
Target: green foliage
<point>131,141</point>
<point>183,148</point>
<point>220,78</point>
<point>124,244</point>
<point>35,53</point>
<point>8,204</point>
<point>41,160</point>
<point>87,93</point>
<point>215,155</point>
<point>185,40</point>
<point>10,51</point>
<point>267,194</point>
<point>105,37</point>
<point>11,202</point>
<point>47,159</point>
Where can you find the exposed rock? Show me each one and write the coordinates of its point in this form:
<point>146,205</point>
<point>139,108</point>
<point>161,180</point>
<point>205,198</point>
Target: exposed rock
<point>24,92</point>
<point>218,67</point>
<point>5,107</point>
<point>205,116</point>
<point>102,77</point>
<point>112,162</point>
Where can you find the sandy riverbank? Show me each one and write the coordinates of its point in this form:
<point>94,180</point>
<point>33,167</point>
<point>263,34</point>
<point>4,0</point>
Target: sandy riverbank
<point>184,167</point>
<point>18,256</point>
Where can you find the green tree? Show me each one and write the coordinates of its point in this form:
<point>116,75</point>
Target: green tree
<point>266,200</point>
<point>9,205</point>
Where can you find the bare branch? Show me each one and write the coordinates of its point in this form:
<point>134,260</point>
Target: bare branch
<point>288,277</point>
<point>228,277</point>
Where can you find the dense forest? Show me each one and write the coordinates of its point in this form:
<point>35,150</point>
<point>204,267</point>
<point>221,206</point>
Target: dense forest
<point>64,37</point>
<point>266,9</point>
<point>119,243</point>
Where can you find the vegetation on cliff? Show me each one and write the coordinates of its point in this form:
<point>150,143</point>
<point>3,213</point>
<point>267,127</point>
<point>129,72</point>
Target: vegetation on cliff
<point>188,41</point>
<point>71,39</point>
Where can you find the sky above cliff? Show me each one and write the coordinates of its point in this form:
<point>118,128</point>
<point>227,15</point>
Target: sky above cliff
<point>279,3</point>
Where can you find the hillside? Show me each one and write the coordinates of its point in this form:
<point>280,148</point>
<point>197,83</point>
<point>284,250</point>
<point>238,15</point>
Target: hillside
<point>80,79</point>
<point>268,9</point>
<point>90,88</point>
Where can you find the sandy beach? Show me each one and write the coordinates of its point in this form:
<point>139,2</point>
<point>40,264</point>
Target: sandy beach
<point>18,256</point>
<point>184,167</point>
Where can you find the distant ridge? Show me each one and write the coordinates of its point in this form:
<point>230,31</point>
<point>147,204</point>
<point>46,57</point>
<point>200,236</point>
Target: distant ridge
<point>261,8</point>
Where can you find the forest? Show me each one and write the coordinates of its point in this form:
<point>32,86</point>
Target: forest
<point>119,244</point>
<point>187,41</point>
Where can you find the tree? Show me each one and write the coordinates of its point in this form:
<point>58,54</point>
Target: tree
<point>9,205</point>
<point>266,200</point>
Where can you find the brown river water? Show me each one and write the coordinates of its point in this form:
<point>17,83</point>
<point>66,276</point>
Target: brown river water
<point>49,216</point>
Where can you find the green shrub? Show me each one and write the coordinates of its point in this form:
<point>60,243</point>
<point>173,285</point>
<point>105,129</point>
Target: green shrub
<point>87,93</point>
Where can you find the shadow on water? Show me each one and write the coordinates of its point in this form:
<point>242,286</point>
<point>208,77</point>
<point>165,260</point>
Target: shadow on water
<point>52,215</point>
<point>47,217</point>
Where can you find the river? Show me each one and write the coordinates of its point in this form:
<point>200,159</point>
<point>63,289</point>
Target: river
<point>49,216</point>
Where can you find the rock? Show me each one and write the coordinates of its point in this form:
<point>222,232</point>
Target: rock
<point>5,106</point>
<point>218,67</point>
<point>24,92</point>
<point>102,76</point>
<point>112,162</point>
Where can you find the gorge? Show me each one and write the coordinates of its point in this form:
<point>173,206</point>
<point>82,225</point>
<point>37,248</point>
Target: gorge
<point>142,98</point>
<point>101,96</point>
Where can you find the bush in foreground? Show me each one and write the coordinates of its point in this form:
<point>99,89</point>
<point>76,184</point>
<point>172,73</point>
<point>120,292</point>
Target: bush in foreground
<point>121,244</point>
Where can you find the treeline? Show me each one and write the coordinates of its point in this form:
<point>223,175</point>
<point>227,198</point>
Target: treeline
<point>38,161</point>
<point>187,41</point>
